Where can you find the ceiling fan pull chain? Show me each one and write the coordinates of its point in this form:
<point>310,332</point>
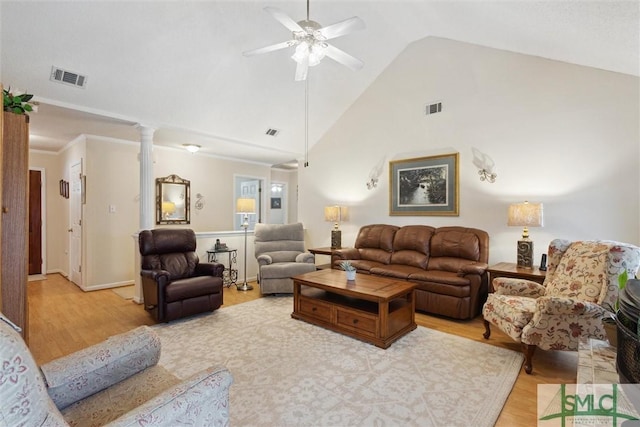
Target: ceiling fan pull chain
<point>306,121</point>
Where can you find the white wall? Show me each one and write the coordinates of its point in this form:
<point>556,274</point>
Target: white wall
<point>560,134</point>
<point>112,171</point>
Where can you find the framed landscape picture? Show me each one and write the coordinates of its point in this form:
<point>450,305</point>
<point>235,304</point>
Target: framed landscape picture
<point>424,186</point>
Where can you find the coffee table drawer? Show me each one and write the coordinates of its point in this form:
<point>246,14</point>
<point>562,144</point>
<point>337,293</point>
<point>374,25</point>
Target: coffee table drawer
<point>357,321</point>
<point>315,308</point>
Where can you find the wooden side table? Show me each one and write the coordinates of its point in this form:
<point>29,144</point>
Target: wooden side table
<point>510,269</point>
<point>322,251</point>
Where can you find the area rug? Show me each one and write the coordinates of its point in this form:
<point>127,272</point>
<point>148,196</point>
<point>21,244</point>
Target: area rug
<point>291,373</point>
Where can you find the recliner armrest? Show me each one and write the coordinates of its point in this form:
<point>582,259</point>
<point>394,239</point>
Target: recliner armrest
<point>264,259</point>
<point>215,269</point>
<point>306,257</point>
<point>520,287</point>
<point>156,275</point>
<point>202,399</point>
<point>95,368</point>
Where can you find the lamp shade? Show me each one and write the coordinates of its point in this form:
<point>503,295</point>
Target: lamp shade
<point>245,206</point>
<point>335,213</point>
<point>525,214</point>
<point>168,208</point>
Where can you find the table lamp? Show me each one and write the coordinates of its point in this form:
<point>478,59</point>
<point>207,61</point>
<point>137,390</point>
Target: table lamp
<point>525,215</point>
<point>335,214</point>
<point>245,207</point>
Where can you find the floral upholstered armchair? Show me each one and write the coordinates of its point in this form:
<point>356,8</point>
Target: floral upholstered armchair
<point>582,277</point>
<point>116,383</point>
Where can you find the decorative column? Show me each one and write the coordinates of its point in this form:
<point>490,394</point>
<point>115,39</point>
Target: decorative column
<point>147,212</point>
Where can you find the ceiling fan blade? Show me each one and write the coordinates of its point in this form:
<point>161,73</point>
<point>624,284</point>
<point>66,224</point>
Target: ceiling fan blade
<point>341,28</point>
<point>271,48</point>
<point>283,18</point>
<point>343,57</point>
<point>301,69</point>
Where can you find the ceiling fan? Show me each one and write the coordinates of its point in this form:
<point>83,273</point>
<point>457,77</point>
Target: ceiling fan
<point>310,41</point>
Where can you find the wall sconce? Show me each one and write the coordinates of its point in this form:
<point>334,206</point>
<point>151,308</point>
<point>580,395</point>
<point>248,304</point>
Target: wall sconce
<point>525,215</point>
<point>335,214</point>
<point>485,165</point>
<point>199,202</point>
<point>485,175</point>
<point>374,175</point>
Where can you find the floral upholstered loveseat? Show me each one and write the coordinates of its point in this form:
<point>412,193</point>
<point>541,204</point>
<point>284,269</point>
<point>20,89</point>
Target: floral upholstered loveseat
<point>115,383</point>
<point>582,279</point>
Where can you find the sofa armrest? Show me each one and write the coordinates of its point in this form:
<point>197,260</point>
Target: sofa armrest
<point>214,269</point>
<point>88,371</point>
<point>339,255</point>
<point>264,260</point>
<point>520,287</point>
<point>306,257</point>
<point>478,268</point>
<point>202,399</point>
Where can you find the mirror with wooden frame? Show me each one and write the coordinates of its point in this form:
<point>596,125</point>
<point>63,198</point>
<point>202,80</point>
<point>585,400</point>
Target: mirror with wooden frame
<point>173,197</point>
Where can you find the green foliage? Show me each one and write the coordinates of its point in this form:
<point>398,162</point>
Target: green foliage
<point>622,282</point>
<point>346,266</point>
<point>18,104</point>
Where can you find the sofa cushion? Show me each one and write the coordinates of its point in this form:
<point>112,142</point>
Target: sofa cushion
<point>399,271</point>
<point>457,242</point>
<point>376,236</point>
<point>450,264</point>
<point>376,255</point>
<point>439,276</point>
<point>284,270</point>
<point>366,265</point>
<point>411,245</point>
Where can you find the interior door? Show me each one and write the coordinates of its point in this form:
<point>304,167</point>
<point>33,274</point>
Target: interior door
<point>75,223</point>
<point>250,190</point>
<point>35,222</point>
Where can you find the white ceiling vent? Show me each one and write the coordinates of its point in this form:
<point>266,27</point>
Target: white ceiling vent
<point>272,132</point>
<point>68,77</point>
<point>433,108</point>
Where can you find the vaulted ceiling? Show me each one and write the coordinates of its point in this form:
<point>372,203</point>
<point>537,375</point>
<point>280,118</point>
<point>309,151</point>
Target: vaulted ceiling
<point>178,66</point>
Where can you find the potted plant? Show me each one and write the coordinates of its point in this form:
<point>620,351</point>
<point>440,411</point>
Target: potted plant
<point>349,269</point>
<point>609,321</point>
<point>18,104</point>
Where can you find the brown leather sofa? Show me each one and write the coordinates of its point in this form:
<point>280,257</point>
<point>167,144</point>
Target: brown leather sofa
<point>447,264</point>
<point>174,283</point>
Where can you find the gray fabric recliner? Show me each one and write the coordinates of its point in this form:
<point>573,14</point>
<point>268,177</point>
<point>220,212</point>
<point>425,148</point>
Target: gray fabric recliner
<point>281,255</point>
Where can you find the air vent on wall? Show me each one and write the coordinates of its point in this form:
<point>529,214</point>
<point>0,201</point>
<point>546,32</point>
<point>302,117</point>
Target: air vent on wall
<point>68,77</point>
<point>436,107</point>
<point>272,132</point>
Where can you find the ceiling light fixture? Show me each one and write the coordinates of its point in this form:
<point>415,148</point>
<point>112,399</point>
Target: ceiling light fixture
<point>310,41</point>
<point>192,148</point>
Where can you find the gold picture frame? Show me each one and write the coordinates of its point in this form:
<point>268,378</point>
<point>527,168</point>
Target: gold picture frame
<point>424,186</point>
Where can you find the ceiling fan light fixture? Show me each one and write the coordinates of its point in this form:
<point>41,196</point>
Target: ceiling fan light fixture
<point>301,53</point>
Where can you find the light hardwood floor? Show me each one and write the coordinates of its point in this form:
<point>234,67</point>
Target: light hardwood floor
<point>64,319</point>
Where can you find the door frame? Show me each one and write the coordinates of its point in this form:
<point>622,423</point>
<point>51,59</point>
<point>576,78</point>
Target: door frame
<point>43,216</point>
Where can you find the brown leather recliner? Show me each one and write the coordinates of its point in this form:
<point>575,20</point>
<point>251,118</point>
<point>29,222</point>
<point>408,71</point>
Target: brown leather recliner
<point>174,283</point>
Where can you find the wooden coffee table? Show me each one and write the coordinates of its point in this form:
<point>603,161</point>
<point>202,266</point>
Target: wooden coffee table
<point>375,309</point>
